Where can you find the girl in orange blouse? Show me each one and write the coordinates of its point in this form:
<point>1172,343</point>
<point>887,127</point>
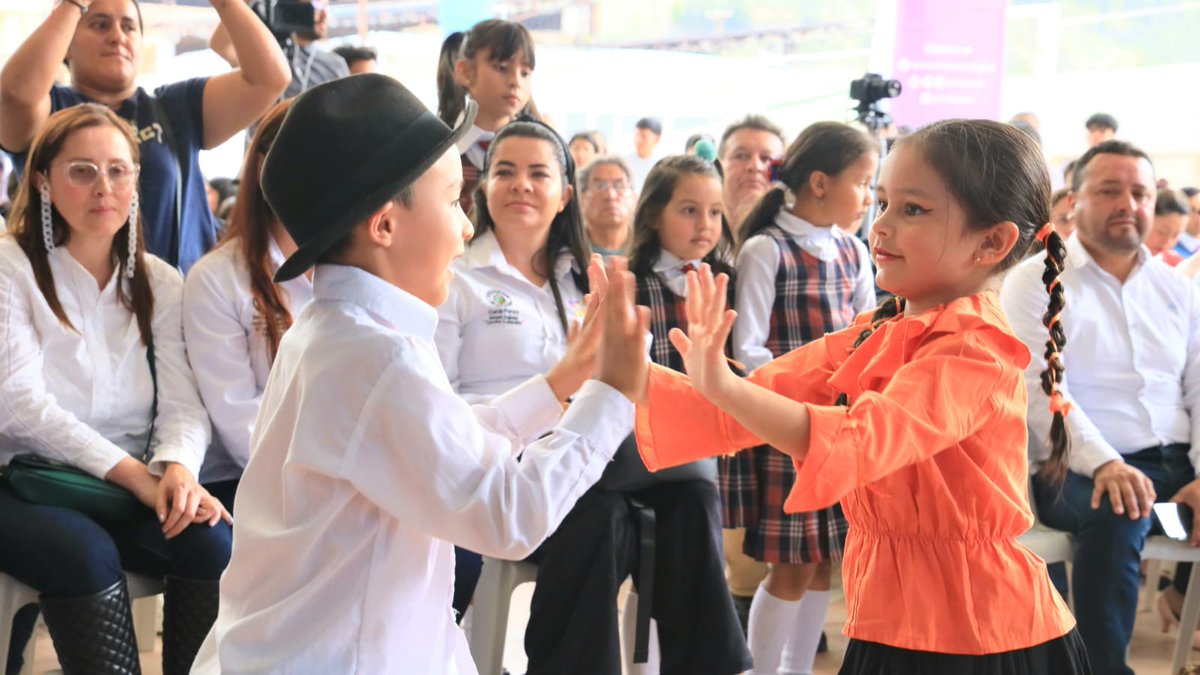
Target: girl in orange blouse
<point>914,418</point>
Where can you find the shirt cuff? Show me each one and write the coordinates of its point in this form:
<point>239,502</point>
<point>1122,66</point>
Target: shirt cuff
<point>531,408</point>
<point>163,454</point>
<point>828,471</point>
<point>1086,458</point>
<point>600,414</point>
<point>99,460</point>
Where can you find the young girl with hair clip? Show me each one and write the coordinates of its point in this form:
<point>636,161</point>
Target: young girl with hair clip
<point>913,418</point>
<point>800,276</point>
<point>94,374</point>
<point>234,316</point>
<point>679,224</point>
<point>493,64</point>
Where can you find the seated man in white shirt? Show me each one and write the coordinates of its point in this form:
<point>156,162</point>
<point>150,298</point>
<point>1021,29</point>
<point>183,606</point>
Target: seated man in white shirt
<point>1132,376</point>
<point>365,467</point>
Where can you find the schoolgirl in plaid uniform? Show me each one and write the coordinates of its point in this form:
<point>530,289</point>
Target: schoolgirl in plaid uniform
<point>801,274</point>
<point>678,224</point>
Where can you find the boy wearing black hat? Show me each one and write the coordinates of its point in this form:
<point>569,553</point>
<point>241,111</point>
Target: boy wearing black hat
<point>365,467</point>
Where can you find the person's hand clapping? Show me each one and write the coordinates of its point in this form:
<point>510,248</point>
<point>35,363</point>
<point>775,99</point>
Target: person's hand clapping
<point>623,363</point>
<point>708,326</point>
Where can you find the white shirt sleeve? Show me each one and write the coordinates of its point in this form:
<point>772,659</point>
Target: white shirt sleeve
<point>454,477</point>
<point>218,347</point>
<point>181,427</point>
<point>1025,300</point>
<point>757,264</point>
<point>1191,375</point>
<point>864,283</point>
<point>448,336</point>
<point>28,413</point>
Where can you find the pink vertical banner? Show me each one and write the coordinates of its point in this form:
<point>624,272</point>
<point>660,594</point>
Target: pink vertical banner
<point>949,57</point>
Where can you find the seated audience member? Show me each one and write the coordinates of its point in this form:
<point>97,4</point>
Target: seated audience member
<point>234,316</point>
<point>101,42</point>
<point>1062,213</point>
<point>358,59</point>
<point>366,468</point>
<point>1132,389</point>
<point>309,65</point>
<point>747,148</point>
<point>94,375</point>
<point>1171,213</point>
<point>606,199</point>
<point>1189,239</point>
<point>584,148</point>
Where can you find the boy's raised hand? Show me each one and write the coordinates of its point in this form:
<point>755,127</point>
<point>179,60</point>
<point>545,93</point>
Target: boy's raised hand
<point>709,323</point>
<point>578,364</point>
<point>623,363</point>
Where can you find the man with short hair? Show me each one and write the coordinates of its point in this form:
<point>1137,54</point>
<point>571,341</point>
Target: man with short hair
<point>646,135</point>
<point>1131,390</point>
<point>746,151</point>
<point>310,64</point>
<point>358,59</point>
<point>606,199</point>
<point>1100,127</point>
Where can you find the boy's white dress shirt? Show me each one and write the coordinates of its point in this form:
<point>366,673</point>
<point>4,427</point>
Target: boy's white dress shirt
<point>366,469</point>
<point>84,395</point>
<point>227,346</point>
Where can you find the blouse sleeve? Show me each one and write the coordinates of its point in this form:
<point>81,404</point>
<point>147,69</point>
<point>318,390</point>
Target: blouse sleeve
<point>949,390</point>
<point>181,427</point>
<point>675,414</point>
<point>30,416</point>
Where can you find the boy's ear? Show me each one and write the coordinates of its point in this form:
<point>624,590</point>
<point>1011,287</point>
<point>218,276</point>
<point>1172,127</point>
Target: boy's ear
<point>997,243</point>
<point>381,225</point>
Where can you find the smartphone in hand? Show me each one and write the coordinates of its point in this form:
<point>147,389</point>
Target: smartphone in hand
<point>1174,519</point>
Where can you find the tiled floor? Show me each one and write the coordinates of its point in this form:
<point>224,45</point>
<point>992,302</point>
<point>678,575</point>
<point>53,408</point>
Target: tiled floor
<point>1150,653</point>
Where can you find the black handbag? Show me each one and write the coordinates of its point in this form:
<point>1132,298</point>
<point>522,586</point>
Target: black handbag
<point>39,480</point>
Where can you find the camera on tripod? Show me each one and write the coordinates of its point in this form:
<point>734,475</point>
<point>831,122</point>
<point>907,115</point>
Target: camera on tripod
<point>869,90</point>
<point>284,17</point>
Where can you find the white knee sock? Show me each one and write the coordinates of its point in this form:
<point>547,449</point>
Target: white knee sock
<point>801,647</point>
<point>772,620</point>
<point>629,631</point>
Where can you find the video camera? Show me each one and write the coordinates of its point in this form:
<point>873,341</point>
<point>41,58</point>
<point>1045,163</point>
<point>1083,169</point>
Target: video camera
<point>284,17</point>
<point>868,91</point>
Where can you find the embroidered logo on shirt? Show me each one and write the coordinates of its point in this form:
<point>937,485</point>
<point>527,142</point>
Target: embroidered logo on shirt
<point>502,312</point>
<point>153,131</point>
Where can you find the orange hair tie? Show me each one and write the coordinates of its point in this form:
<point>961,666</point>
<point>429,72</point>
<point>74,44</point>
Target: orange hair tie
<point>1044,234</point>
<point>1058,405</point>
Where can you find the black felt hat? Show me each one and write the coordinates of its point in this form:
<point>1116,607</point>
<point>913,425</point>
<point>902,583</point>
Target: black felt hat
<point>345,148</point>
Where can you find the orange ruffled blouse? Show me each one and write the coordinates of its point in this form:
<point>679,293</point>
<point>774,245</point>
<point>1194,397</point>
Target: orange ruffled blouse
<point>929,463</point>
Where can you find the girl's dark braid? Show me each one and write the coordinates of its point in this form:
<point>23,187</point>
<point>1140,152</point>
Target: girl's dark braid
<point>1055,469</point>
<point>890,308</point>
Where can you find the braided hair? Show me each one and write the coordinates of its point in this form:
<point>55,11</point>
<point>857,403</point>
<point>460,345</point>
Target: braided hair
<point>997,174</point>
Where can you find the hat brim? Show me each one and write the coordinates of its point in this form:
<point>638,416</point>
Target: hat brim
<point>348,216</point>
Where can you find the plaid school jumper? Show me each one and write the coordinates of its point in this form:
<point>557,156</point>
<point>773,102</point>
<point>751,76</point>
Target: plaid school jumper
<point>812,298</point>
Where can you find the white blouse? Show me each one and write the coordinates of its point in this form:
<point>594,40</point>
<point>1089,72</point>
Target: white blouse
<point>496,328</point>
<point>83,395</point>
<point>227,346</point>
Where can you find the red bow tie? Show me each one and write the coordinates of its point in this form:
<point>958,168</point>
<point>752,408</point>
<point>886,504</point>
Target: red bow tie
<point>484,145</point>
<point>688,267</point>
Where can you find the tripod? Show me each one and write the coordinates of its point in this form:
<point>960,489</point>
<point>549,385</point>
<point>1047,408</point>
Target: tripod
<point>876,121</point>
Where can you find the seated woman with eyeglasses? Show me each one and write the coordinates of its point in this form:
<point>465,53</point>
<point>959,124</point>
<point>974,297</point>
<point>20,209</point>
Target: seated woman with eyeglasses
<point>93,374</point>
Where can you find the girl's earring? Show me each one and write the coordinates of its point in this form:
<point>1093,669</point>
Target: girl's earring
<point>133,232</point>
<point>47,218</point>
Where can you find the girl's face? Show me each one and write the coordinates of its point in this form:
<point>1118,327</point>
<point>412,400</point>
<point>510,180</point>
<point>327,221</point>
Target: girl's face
<point>501,88</point>
<point>690,224</point>
<point>525,185</point>
<point>847,195</point>
<point>106,50</point>
<point>92,182</point>
<point>921,244</point>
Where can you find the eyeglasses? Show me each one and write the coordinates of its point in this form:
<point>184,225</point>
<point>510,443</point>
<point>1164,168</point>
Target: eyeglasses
<point>604,186</point>
<point>82,173</point>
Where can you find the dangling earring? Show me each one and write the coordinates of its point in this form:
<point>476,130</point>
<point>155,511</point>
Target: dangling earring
<point>133,224</point>
<point>47,218</point>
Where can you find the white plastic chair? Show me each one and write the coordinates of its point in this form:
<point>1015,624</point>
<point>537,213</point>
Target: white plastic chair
<point>1162,548</point>
<point>489,620</point>
<point>14,595</point>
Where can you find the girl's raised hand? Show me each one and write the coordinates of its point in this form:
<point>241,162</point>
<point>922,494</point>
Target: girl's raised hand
<point>623,362</point>
<point>709,323</point>
<point>583,339</point>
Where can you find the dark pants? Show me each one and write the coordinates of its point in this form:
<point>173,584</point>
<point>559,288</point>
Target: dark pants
<point>64,554</point>
<point>1108,551</point>
<point>225,491</point>
<point>573,620</point>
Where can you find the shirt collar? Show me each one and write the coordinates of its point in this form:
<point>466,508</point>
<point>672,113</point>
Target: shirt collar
<point>668,262</point>
<point>799,227</point>
<point>1078,255</point>
<point>78,274</point>
<point>484,251</point>
<point>472,136</point>
<point>391,306</point>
